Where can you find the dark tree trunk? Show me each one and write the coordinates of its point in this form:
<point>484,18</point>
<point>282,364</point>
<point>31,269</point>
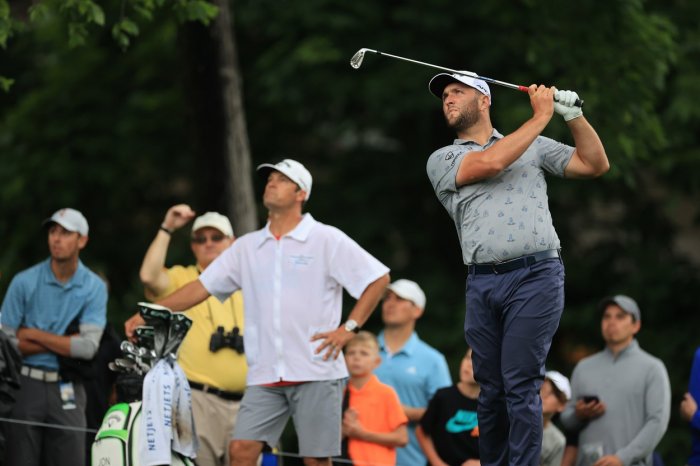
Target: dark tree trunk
<point>218,120</point>
<point>239,185</point>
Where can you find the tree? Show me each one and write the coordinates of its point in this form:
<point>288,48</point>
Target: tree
<point>82,15</point>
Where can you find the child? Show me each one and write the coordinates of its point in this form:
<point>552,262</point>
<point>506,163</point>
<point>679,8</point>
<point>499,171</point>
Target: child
<point>449,431</point>
<point>555,392</point>
<point>374,422</point>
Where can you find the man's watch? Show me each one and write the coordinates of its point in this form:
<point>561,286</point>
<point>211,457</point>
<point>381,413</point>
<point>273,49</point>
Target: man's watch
<point>351,326</point>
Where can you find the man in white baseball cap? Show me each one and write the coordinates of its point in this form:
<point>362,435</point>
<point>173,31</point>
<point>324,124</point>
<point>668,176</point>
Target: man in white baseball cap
<point>41,303</point>
<point>292,170</point>
<point>440,82</point>
<point>413,368</point>
<point>491,186</point>
<point>216,374</point>
<point>70,219</point>
<point>292,272</point>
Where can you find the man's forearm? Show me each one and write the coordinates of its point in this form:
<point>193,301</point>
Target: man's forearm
<point>589,148</point>
<point>369,299</point>
<point>28,347</point>
<point>184,298</point>
<point>152,273</point>
<point>478,166</point>
<point>58,344</point>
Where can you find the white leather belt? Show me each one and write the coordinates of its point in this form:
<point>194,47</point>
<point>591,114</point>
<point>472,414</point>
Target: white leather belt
<point>38,374</point>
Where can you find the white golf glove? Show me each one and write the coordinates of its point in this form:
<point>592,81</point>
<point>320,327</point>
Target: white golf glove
<point>564,104</point>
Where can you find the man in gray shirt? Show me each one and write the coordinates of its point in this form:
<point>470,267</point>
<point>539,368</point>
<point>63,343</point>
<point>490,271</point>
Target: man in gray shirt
<point>494,189</point>
<point>621,396</point>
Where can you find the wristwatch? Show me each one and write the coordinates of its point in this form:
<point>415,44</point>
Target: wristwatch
<point>351,326</point>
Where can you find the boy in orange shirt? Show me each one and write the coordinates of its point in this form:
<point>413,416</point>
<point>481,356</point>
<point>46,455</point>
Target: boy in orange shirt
<point>374,422</point>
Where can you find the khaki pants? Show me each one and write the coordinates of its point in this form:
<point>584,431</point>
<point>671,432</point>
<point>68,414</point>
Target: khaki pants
<point>214,420</point>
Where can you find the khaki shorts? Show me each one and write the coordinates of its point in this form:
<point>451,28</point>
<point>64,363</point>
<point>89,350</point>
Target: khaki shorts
<point>315,408</point>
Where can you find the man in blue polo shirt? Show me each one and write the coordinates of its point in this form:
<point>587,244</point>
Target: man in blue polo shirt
<point>40,304</point>
<point>413,368</point>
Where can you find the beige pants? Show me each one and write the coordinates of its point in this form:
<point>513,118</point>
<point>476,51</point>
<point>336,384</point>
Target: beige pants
<point>214,420</point>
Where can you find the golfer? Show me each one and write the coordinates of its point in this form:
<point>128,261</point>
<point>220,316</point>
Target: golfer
<point>494,188</point>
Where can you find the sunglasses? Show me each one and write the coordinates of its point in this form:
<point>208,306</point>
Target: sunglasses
<point>201,239</point>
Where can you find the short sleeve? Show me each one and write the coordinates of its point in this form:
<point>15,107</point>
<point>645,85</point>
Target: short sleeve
<point>13,304</point>
<point>427,422</point>
<point>395,415</point>
<point>441,377</point>
<point>95,312</point>
<point>223,276</point>
<point>353,267</point>
<point>554,156</point>
<point>442,168</point>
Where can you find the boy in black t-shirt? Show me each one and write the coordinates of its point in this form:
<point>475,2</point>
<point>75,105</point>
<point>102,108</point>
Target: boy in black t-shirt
<point>449,431</point>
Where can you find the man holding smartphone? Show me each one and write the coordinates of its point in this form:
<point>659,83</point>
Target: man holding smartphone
<point>621,396</point>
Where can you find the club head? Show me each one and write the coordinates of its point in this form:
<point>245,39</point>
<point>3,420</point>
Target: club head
<point>144,336</point>
<point>114,368</point>
<point>179,326</point>
<point>157,317</point>
<point>356,60</point>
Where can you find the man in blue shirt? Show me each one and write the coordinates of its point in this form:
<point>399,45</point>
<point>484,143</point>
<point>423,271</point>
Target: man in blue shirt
<point>413,368</point>
<point>39,306</point>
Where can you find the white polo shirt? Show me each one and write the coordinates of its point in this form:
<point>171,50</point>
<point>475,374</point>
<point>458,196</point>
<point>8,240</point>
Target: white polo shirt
<point>292,289</point>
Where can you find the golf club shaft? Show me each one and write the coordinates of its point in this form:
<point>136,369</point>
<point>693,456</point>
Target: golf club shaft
<point>356,61</point>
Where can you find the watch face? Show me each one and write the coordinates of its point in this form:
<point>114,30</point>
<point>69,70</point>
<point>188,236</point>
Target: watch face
<point>351,325</point>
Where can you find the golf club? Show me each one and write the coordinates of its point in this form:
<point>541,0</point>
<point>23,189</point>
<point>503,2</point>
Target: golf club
<point>158,317</point>
<point>356,62</point>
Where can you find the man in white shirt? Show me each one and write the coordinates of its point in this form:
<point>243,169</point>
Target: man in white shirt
<point>292,273</point>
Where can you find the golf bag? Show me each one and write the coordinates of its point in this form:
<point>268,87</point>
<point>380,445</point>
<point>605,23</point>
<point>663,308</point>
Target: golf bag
<point>116,443</point>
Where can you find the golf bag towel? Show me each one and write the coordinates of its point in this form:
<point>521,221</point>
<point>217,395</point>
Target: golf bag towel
<point>166,421</point>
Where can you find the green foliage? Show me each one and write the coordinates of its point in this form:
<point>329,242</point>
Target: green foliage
<point>195,10</point>
<point>6,83</point>
<point>5,23</point>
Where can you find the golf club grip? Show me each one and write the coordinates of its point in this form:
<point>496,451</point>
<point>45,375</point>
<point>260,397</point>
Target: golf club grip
<point>577,103</point>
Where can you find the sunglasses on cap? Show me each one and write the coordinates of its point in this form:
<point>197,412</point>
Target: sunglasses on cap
<point>201,239</point>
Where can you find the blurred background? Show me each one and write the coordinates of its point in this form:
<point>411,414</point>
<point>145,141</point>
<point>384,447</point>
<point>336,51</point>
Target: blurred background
<point>123,108</point>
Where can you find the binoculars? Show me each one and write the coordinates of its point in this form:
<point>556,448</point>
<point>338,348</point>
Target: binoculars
<point>232,339</point>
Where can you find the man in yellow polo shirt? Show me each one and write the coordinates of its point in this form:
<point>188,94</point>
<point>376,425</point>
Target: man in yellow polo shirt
<point>212,352</point>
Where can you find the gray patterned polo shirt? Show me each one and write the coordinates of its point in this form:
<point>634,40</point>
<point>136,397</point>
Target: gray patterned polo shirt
<point>506,216</point>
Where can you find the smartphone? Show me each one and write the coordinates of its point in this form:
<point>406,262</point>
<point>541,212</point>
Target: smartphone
<point>589,398</point>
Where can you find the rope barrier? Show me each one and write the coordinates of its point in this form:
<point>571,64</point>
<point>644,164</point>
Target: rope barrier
<point>283,454</point>
<point>51,426</point>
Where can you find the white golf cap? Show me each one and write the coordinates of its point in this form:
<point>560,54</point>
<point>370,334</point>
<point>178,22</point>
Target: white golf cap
<point>213,220</point>
<point>440,81</point>
<point>70,219</point>
<point>409,290</point>
<point>293,170</point>
<point>559,381</point>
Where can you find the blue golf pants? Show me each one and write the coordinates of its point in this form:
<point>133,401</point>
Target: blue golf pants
<point>510,321</point>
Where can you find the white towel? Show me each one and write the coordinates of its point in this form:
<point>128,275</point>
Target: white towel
<point>184,434</point>
<point>167,423</point>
